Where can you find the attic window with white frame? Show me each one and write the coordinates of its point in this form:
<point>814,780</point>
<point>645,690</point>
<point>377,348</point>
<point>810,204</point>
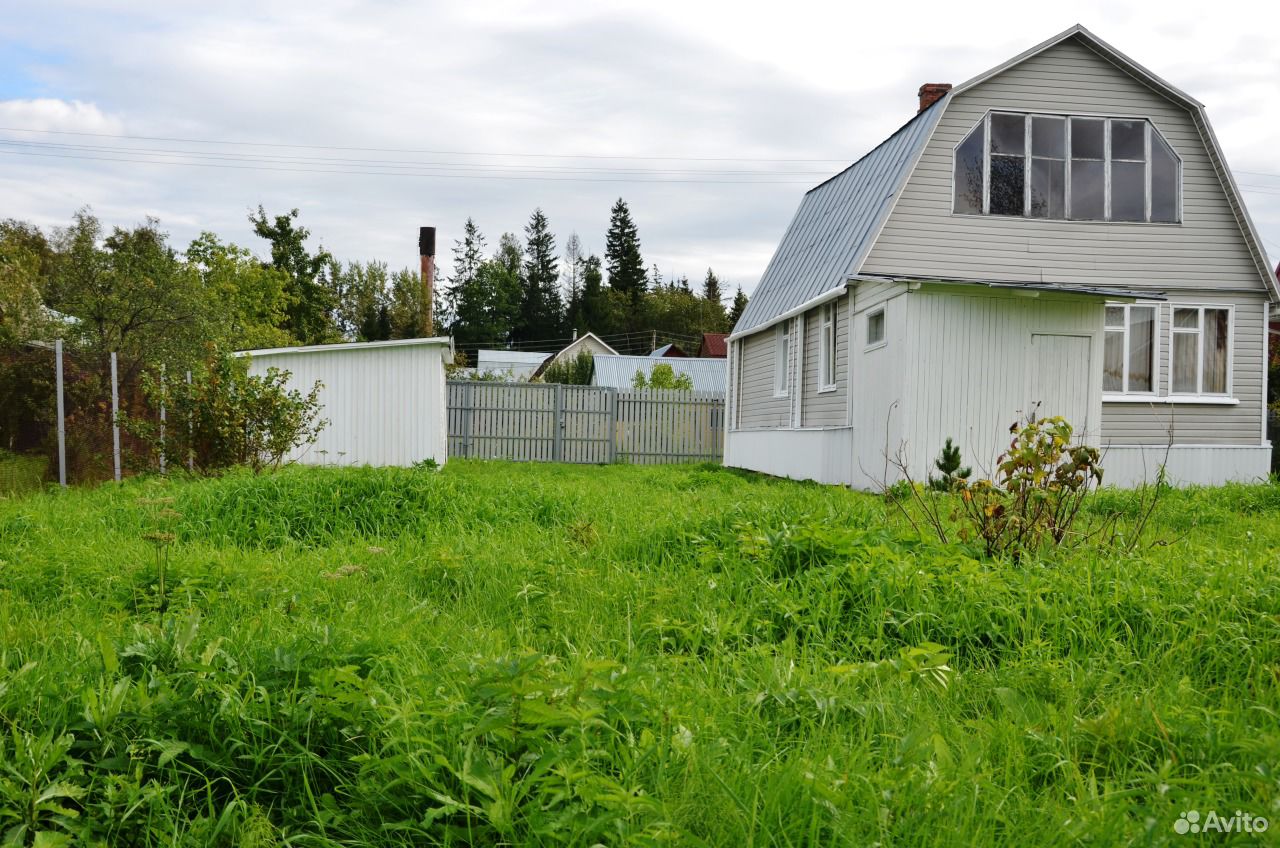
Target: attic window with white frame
<point>1066,167</point>
<point>827,349</point>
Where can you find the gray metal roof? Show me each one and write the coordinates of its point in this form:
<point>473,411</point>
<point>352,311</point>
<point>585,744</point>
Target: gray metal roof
<point>836,225</point>
<point>708,375</point>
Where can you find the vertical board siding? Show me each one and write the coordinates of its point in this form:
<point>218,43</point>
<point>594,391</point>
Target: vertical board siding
<point>975,371</point>
<point>531,422</point>
<point>385,405</point>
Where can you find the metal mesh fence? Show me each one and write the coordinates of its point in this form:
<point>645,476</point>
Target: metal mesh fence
<point>32,451</point>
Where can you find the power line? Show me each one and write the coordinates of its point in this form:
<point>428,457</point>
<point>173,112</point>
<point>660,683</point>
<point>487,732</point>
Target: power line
<point>412,150</point>
<point>421,174</point>
<point>327,161</point>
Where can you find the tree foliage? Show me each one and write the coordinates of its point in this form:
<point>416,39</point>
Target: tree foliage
<point>227,417</point>
<point>574,371</point>
<point>663,376</point>
<point>622,257</point>
<point>311,300</point>
<point>739,306</point>
<point>951,469</point>
<point>541,308</point>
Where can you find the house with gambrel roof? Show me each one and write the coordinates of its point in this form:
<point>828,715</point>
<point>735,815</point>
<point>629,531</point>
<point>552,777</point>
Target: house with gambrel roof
<point>1060,235</point>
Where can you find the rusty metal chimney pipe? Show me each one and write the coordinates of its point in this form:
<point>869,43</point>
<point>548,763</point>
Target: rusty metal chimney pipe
<point>427,252</point>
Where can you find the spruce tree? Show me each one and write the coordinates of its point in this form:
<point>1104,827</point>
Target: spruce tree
<point>504,273</point>
<point>716,321</point>
<point>948,462</point>
<point>739,306</point>
<point>470,294</point>
<point>622,257</point>
<point>541,310</point>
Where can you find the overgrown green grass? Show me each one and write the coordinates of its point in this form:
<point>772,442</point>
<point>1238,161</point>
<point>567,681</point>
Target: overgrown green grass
<point>21,474</point>
<point>541,654</point>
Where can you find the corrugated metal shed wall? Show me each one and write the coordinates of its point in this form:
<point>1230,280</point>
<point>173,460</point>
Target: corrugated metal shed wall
<point>708,375</point>
<point>836,225</point>
<point>385,403</point>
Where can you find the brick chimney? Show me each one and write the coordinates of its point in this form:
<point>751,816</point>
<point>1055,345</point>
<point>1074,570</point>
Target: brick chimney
<point>427,252</point>
<point>931,93</point>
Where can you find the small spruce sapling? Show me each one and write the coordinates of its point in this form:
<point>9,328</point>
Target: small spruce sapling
<point>948,462</point>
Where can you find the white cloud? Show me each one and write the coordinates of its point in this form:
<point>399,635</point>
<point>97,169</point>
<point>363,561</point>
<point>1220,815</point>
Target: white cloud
<point>47,113</point>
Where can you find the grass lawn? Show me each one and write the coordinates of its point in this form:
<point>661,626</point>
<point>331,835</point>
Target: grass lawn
<point>20,474</point>
<point>542,654</point>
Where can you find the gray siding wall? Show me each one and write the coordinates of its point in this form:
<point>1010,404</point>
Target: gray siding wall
<point>830,408</point>
<point>922,236</point>
<point>1192,424</point>
<point>757,407</point>
<point>1204,254</point>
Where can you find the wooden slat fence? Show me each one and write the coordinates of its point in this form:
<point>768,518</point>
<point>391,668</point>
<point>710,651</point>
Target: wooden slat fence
<point>534,422</point>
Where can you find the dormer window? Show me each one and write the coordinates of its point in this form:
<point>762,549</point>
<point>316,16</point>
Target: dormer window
<point>1062,167</point>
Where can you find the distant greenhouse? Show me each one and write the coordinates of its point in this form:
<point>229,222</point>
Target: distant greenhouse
<point>708,375</point>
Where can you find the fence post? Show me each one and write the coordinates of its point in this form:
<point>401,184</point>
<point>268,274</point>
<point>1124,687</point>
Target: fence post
<point>557,449</point>
<point>468,416</point>
<point>115,417</point>
<point>164,390</point>
<point>62,423</point>
<point>191,451</point>
<point>613,426</point>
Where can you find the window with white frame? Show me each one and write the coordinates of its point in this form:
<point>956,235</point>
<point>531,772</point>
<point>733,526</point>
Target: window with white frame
<point>827,349</point>
<point>1067,167</point>
<point>1129,349</point>
<point>875,327</point>
<point>1200,350</point>
<point>782,359</point>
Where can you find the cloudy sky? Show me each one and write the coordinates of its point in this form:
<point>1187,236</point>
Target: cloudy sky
<point>375,117</point>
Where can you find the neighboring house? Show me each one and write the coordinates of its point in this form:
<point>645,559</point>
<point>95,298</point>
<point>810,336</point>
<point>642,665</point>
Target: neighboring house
<point>714,345</point>
<point>1060,234</point>
<point>590,343</point>
<point>619,372</point>
<point>668,350</point>
<point>512,364</point>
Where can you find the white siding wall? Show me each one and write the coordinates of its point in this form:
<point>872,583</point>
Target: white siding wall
<point>385,404</point>
<point>974,372</point>
<point>1206,253</point>
<point>878,383</point>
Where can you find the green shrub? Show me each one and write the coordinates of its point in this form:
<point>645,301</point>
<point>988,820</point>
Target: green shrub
<point>227,417</point>
<point>1041,484</point>
<point>571,372</point>
<point>663,376</point>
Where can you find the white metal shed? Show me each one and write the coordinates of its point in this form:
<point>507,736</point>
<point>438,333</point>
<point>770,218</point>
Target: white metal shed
<point>385,401</point>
